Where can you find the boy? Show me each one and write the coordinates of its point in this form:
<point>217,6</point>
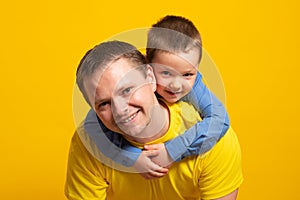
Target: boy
<point>175,68</point>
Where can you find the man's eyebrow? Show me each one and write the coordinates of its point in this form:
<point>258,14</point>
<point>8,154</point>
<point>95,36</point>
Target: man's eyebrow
<point>124,86</point>
<point>99,100</point>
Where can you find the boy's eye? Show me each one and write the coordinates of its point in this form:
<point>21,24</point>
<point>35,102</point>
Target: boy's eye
<point>188,74</point>
<point>166,73</point>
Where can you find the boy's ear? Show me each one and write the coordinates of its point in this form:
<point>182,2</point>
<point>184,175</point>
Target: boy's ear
<point>150,77</point>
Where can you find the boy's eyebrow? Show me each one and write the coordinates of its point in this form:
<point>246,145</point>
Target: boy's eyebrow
<point>189,71</point>
<point>161,66</point>
<point>164,67</point>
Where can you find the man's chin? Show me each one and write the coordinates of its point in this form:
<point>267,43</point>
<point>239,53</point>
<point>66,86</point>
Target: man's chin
<point>130,132</point>
<point>136,134</point>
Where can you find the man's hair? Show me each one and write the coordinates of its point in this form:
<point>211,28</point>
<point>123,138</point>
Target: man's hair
<point>102,55</point>
<point>173,34</point>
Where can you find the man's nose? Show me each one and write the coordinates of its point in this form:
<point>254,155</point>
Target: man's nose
<point>119,107</point>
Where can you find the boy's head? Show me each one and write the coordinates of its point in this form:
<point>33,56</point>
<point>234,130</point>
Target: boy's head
<point>173,34</point>
<point>174,50</point>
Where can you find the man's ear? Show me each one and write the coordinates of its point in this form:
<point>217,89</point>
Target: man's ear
<point>150,77</point>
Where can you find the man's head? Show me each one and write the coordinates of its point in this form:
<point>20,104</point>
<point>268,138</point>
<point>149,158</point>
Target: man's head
<point>100,57</point>
<point>174,50</point>
<point>119,86</point>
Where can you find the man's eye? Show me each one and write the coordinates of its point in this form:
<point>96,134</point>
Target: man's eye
<point>102,105</point>
<point>127,90</point>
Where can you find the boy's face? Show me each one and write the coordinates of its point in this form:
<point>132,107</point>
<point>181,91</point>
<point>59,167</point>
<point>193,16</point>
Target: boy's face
<point>175,73</point>
<point>122,97</point>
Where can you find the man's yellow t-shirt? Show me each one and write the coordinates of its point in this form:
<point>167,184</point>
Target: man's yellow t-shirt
<point>211,175</point>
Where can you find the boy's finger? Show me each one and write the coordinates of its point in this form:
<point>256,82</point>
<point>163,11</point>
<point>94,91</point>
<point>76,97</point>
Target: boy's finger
<point>151,153</point>
<point>151,147</point>
<point>159,169</point>
<point>157,174</point>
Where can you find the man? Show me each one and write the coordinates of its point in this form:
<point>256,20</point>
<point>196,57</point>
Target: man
<point>119,86</point>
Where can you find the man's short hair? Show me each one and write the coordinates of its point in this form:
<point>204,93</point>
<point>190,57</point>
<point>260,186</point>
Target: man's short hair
<point>102,55</point>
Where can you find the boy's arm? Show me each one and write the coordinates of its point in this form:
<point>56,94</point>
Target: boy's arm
<point>203,135</point>
<point>118,149</point>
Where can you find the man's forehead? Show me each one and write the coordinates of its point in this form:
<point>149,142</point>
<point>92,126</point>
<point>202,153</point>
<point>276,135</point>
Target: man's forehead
<point>105,82</point>
<point>90,85</point>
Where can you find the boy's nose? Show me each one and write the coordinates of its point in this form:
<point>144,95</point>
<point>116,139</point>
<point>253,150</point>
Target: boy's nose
<point>175,85</point>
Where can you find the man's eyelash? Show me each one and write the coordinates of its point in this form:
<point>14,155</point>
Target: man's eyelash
<point>127,90</point>
<point>102,104</point>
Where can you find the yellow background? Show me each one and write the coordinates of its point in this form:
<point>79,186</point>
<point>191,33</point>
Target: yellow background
<point>255,45</point>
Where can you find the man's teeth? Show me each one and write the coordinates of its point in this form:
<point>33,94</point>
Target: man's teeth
<point>130,118</point>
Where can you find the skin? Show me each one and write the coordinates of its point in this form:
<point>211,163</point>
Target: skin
<point>175,74</point>
<point>124,100</point>
<point>231,196</point>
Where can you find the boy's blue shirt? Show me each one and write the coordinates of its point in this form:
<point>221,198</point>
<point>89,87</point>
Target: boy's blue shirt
<point>198,139</point>
<point>111,144</point>
<point>202,136</point>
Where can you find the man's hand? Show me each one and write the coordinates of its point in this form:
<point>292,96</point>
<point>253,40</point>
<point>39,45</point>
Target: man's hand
<point>147,168</point>
<point>162,157</point>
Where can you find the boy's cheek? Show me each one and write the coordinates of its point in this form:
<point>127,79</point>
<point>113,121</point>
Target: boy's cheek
<point>161,82</point>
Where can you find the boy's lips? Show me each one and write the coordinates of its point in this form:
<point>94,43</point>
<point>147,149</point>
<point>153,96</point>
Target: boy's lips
<point>173,93</point>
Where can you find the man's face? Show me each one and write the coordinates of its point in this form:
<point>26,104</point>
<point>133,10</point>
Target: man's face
<point>122,97</point>
<point>175,73</point>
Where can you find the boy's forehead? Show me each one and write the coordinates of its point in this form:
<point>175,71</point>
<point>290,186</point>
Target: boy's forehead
<point>192,56</point>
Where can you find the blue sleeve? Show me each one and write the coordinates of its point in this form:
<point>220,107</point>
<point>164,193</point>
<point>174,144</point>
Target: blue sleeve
<point>109,143</point>
<point>202,136</point>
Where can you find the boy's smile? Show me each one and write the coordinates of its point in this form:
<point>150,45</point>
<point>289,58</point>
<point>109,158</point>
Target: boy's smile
<point>174,74</point>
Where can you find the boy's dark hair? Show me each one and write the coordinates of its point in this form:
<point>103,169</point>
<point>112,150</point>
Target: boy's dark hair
<point>173,34</point>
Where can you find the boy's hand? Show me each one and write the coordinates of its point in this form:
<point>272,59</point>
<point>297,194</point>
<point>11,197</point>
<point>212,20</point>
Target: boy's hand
<point>161,157</point>
<point>147,168</point>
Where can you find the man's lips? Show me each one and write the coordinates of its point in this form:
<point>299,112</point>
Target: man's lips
<point>125,120</point>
